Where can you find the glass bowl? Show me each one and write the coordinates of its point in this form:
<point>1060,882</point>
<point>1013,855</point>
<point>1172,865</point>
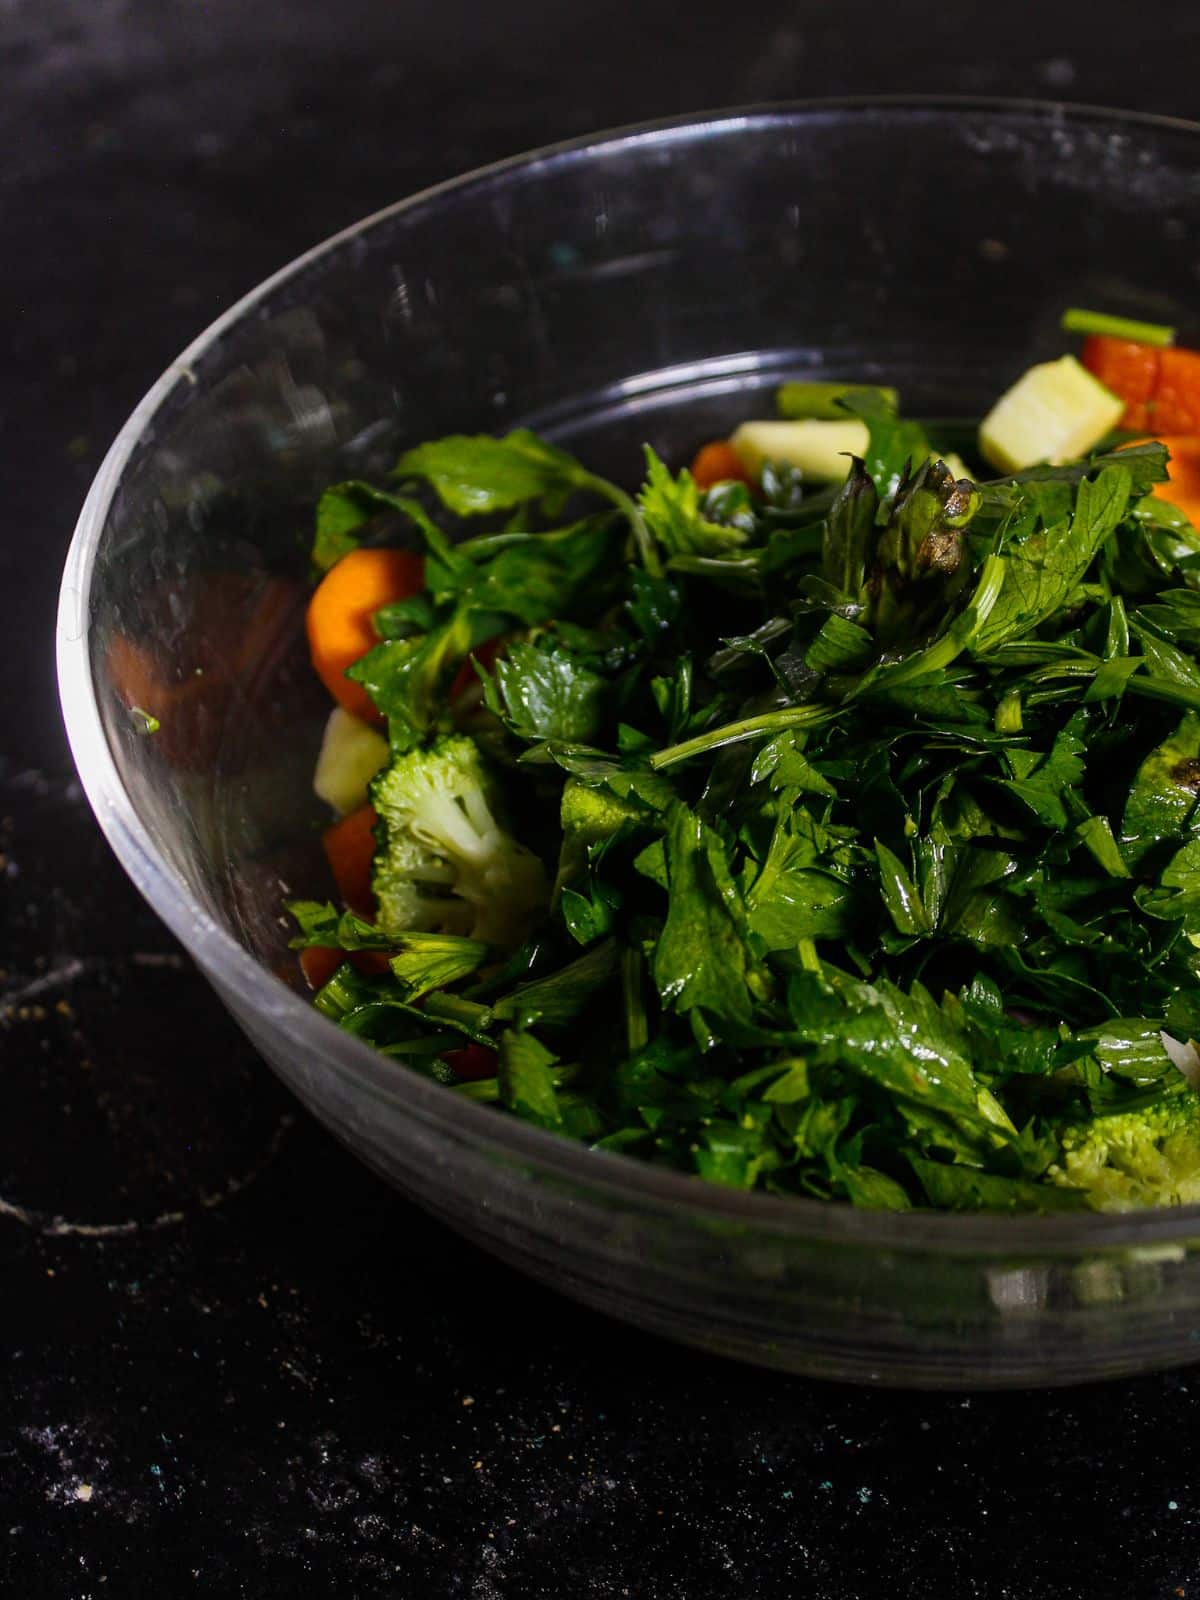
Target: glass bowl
<point>652,284</point>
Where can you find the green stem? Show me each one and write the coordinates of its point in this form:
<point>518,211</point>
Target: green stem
<point>939,655</point>
<point>1078,320</point>
<point>637,1029</point>
<point>806,950</point>
<point>807,716</point>
<point>1175,694</point>
<point>744,569</point>
<point>799,400</point>
<point>647,549</point>
<point>435,539</point>
<point>464,1015</point>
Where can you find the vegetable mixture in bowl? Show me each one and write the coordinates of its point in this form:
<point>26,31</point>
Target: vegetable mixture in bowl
<point>823,819</point>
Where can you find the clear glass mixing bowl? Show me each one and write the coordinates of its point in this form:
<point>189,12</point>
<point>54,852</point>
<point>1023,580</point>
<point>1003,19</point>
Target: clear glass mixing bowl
<point>652,285</point>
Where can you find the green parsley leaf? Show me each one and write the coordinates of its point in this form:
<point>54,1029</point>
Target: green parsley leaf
<point>526,1084</point>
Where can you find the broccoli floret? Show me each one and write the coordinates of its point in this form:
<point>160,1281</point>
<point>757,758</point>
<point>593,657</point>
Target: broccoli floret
<point>1149,1157</point>
<point>443,863</point>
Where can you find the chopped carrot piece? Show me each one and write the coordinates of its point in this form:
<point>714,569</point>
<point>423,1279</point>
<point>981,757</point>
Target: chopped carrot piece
<point>371,963</point>
<point>340,613</point>
<point>472,1062</point>
<point>718,462</point>
<point>1175,407</point>
<point>1129,369</point>
<point>318,964</point>
<point>349,847</point>
<point>1160,388</point>
<point>1183,487</point>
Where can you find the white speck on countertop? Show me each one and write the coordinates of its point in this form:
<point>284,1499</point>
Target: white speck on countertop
<point>1058,71</point>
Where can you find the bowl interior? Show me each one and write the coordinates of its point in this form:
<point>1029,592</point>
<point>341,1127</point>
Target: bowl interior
<point>651,288</point>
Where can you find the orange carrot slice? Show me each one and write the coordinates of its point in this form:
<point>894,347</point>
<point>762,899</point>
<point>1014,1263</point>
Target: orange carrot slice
<point>349,847</point>
<point>718,462</point>
<point>372,963</point>
<point>340,628</point>
<point>1183,487</point>
<point>1175,406</point>
<point>319,964</point>
<point>1129,369</point>
<point>1160,388</point>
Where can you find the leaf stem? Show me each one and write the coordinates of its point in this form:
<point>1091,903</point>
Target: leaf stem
<point>946,649</point>
<point>637,1029</point>
<point>806,716</point>
<point>647,550</point>
<point>1077,320</point>
<point>1175,694</point>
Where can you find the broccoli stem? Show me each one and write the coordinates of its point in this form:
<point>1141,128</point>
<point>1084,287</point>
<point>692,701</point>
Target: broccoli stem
<point>446,826</point>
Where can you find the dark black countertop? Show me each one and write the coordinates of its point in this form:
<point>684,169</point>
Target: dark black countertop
<point>233,1363</point>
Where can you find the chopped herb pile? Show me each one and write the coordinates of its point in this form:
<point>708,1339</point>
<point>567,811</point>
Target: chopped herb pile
<point>840,841</point>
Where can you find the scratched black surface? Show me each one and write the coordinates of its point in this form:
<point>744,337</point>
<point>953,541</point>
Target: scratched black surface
<point>232,1363</point>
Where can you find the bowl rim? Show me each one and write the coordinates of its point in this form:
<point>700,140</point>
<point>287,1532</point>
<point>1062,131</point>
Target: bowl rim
<point>235,970</point>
